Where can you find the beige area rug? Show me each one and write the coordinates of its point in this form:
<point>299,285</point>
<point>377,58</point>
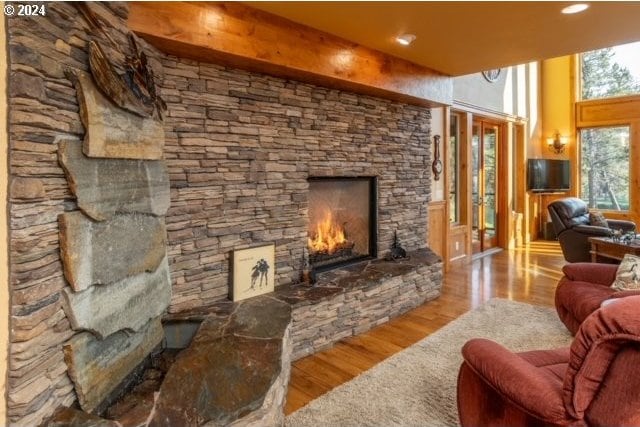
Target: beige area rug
<point>417,387</point>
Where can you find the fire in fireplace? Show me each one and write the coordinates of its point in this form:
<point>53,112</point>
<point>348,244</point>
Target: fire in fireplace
<point>342,221</point>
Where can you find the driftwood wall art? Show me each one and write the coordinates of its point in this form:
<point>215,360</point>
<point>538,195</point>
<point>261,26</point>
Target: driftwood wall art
<point>113,85</point>
<point>135,90</point>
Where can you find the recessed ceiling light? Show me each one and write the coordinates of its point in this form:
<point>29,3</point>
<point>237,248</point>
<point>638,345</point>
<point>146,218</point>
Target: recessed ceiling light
<point>406,39</point>
<point>575,8</point>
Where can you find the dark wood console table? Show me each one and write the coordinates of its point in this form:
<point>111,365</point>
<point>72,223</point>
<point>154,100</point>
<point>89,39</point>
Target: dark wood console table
<point>604,249</point>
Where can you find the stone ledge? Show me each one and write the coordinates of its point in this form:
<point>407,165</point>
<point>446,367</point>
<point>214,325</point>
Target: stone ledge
<point>348,301</point>
<point>352,300</point>
<point>294,321</point>
<point>364,276</point>
<point>236,370</point>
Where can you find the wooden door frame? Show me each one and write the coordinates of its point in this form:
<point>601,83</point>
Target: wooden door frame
<point>502,185</point>
<point>466,176</point>
<point>507,170</point>
<point>504,202</point>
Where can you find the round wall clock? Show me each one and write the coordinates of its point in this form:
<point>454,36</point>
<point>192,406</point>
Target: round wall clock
<point>492,75</point>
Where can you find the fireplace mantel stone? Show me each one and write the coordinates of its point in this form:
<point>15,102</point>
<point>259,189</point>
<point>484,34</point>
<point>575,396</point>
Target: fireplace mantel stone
<point>302,319</point>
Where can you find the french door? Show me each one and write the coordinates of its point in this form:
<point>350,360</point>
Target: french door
<point>484,186</point>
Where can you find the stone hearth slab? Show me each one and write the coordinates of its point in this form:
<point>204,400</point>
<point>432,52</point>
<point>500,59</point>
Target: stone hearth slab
<point>127,304</point>
<point>97,367</point>
<point>112,132</point>
<point>105,187</point>
<point>69,417</point>
<point>88,248</point>
<point>229,374</point>
<point>233,367</point>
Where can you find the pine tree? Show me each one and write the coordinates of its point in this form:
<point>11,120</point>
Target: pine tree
<point>605,151</point>
<point>604,78</point>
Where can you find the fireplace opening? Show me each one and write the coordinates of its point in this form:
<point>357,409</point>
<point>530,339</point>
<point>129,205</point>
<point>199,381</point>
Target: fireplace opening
<point>342,221</point>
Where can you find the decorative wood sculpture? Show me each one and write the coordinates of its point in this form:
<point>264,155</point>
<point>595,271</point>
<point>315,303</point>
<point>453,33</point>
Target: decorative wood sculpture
<point>135,91</point>
<point>112,85</point>
<point>94,21</point>
<point>141,79</point>
<point>436,166</point>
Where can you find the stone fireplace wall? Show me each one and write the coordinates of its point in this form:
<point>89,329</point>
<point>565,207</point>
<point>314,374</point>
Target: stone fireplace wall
<point>240,147</point>
<point>44,112</point>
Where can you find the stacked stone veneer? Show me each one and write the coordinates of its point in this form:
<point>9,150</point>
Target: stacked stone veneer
<point>352,300</point>
<point>110,216</point>
<point>239,149</point>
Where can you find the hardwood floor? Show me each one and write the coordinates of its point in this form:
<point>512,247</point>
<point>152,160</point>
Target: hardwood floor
<point>528,275</point>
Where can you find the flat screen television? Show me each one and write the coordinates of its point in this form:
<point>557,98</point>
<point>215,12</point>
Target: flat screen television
<point>547,175</point>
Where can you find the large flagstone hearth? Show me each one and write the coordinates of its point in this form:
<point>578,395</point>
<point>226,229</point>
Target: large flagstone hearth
<point>235,370</point>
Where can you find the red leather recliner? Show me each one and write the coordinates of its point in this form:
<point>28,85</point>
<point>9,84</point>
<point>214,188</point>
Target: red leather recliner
<point>595,382</point>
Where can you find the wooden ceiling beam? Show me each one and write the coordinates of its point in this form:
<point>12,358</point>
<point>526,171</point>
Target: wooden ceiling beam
<point>239,36</point>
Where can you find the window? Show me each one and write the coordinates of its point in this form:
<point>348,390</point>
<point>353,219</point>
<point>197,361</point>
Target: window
<point>604,151</point>
<point>614,71</point>
<point>454,188</point>
<point>604,181</point>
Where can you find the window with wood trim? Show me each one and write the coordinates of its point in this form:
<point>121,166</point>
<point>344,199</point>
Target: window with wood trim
<point>610,72</point>
<point>604,150</point>
<point>604,159</point>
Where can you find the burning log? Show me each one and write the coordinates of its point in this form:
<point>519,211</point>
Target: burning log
<point>328,236</point>
<point>329,242</point>
<point>343,250</point>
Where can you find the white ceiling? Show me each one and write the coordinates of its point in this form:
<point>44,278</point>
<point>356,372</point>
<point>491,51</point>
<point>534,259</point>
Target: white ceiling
<point>458,38</point>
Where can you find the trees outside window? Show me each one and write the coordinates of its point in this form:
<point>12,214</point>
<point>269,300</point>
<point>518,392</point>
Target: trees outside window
<point>614,71</point>
<point>604,154</point>
<point>605,167</point>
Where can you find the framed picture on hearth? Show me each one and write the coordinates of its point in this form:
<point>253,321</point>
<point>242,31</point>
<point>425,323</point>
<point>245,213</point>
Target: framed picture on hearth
<point>252,272</point>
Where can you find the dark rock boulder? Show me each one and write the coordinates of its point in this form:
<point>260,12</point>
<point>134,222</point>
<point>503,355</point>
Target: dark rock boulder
<point>233,366</point>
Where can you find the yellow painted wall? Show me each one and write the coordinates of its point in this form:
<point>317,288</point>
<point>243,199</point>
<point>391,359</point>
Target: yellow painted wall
<point>559,96</point>
<point>4,239</point>
<point>557,113</point>
<point>558,104</point>
<point>533,112</point>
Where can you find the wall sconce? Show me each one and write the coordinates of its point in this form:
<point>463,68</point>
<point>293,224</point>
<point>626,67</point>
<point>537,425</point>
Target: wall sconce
<point>557,143</point>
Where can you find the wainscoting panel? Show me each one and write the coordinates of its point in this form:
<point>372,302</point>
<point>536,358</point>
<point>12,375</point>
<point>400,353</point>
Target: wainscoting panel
<point>457,240</point>
<point>438,226</point>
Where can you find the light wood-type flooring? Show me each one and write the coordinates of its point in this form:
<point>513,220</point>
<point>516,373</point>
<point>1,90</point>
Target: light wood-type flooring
<point>528,275</point>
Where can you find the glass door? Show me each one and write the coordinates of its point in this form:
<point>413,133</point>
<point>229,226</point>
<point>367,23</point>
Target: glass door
<point>484,186</point>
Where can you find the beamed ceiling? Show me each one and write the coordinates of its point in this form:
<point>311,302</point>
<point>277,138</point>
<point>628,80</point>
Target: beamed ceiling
<point>458,38</point>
